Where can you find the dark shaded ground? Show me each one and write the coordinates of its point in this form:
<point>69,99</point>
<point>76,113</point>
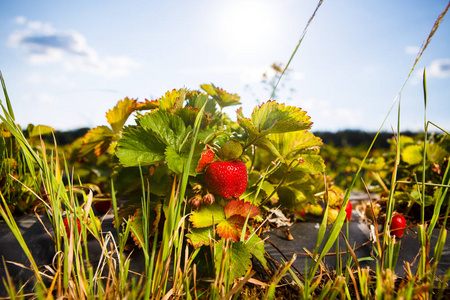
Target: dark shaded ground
<point>278,247</point>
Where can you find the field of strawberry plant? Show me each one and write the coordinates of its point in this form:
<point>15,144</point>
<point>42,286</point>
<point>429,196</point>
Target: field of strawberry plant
<point>196,195</point>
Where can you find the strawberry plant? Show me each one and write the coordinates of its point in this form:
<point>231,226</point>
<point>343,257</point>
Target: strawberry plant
<point>238,167</point>
<point>410,193</point>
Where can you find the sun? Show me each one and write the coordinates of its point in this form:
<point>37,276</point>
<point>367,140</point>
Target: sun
<point>246,25</point>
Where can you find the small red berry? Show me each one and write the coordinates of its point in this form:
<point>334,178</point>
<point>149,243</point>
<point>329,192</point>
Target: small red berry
<point>67,226</point>
<point>227,178</point>
<point>348,210</point>
<point>398,221</point>
<point>205,160</point>
<point>301,213</point>
<point>102,207</point>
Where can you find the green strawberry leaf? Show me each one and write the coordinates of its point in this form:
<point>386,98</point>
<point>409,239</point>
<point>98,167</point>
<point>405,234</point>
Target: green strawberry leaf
<point>222,98</point>
<point>189,114</point>
<point>291,143</point>
<point>375,164</point>
<point>240,259</point>
<point>137,222</point>
<point>118,115</point>
<point>207,216</point>
<point>139,147</point>
<point>200,236</point>
<point>272,117</point>
<point>174,161</point>
<point>256,247</point>
<point>160,182</point>
<point>169,129</point>
<point>38,130</point>
<point>98,140</point>
<point>310,163</point>
<point>294,196</point>
<point>436,154</point>
<point>196,100</point>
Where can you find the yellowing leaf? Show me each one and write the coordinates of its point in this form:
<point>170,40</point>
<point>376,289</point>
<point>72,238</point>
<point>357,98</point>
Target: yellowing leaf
<point>231,228</point>
<point>200,236</point>
<point>207,216</point>
<point>290,144</point>
<point>375,164</point>
<point>272,117</point>
<point>412,154</point>
<point>137,222</point>
<point>240,208</point>
<point>222,97</point>
<point>310,163</point>
<point>147,104</point>
<point>98,140</point>
<point>38,130</point>
<point>172,100</point>
<point>436,154</point>
<point>118,115</point>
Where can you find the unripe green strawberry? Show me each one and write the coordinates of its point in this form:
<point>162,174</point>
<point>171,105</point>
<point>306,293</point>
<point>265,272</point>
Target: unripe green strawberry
<point>232,149</point>
<point>332,215</point>
<point>334,199</point>
<point>205,160</point>
<point>227,178</point>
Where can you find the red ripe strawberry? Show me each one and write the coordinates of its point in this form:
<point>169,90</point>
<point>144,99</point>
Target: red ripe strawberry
<point>67,226</point>
<point>205,160</point>
<point>102,207</point>
<point>348,210</point>
<point>398,221</point>
<point>227,178</point>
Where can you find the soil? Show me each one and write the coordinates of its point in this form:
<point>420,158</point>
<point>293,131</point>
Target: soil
<point>279,246</point>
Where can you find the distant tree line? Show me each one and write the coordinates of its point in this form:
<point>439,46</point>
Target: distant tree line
<point>355,138</point>
<point>64,137</point>
<point>345,138</point>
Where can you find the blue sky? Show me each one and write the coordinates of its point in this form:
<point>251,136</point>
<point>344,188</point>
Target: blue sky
<point>66,63</point>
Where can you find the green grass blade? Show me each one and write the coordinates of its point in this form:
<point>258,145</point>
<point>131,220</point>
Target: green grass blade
<point>8,102</point>
<point>296,48</point>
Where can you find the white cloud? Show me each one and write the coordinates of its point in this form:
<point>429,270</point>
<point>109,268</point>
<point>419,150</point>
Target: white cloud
<point>438,68</point>
<point>324,114</point>
<point>42,98</point>
<point>20,20</point>
<point>44,44</point>
<point>412,50</point>
<point>39,78</point>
